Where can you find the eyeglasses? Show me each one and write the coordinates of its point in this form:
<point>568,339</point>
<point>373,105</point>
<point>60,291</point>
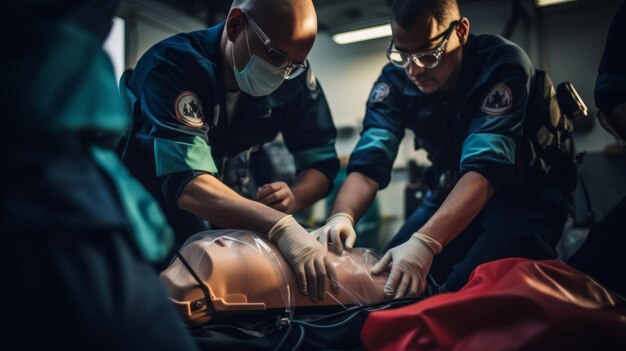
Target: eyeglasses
<point>424,59</point>
<point>290,69</point>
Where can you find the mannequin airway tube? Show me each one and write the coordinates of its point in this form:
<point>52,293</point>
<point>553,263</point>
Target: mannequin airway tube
<point>203,287</point>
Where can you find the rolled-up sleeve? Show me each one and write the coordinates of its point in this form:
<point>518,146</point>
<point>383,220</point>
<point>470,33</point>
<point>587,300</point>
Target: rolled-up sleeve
<point>177,110</point>
<point>496,126</point>
<point>173,156</point>
<point>383,129</point>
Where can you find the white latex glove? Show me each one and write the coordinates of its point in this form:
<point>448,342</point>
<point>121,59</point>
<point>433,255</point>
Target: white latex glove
<point>410,263</point>
<point>306,256</point>
<point>339,229</point>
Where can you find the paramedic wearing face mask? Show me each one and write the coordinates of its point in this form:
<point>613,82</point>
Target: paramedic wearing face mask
<point>502,180</point>
<point>204,96</point>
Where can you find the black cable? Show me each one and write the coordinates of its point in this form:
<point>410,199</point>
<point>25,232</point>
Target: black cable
<point>327,326</point>
<point>374,307</point>
<point>284,338</point>
<point>300,339</point>
<point>203,287</point>
<point>302,324</point>
<point>357,311</point>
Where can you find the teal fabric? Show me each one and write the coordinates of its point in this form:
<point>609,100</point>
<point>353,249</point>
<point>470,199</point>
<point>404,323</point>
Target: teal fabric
<point>306,158</point>
<point>65,89</point>
<point>151,231</point>
<point>484,146</point>
<point>71,78</point>
<point>173,156</point>
<point>379,138</point>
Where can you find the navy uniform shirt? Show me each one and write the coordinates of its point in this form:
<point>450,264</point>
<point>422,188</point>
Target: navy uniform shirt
<point>610,89</point>
<point>482,127</point>
<point>181,129</point>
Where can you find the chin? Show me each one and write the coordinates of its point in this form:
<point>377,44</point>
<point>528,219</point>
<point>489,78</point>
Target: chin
<point>427,88</point>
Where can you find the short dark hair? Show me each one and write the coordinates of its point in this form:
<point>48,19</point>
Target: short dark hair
<point>404,12</point>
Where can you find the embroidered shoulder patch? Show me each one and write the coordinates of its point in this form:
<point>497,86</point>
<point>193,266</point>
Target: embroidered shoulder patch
<point>498,101</point>
<point>311,81</point>
<point>188,109</point>
<point>380,92</point>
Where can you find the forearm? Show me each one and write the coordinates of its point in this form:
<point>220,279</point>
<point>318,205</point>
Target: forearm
<point>309,187</point>
<point>208,198</point>
<point>462,205</point>
<point>355,196</point>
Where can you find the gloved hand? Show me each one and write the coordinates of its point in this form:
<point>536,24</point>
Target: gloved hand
<point>278,196</point>
<point>306,256</point>
<point>339,229</point>
<point>410,263</point>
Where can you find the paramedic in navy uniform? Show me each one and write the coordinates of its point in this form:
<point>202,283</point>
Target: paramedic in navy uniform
<point>204,96</point>
<point>501,183</point>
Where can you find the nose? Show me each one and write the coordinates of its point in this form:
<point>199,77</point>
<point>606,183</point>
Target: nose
<point>413,69</point>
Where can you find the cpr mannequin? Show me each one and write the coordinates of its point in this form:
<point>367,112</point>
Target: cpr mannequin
<point>243,271</point>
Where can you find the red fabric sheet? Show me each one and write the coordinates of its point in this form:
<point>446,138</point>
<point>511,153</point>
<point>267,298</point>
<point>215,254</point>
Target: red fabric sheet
<point>509,304</point>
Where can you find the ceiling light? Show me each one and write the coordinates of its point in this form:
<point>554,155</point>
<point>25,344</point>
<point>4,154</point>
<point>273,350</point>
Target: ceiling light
<point>363,34</point>
<point>542,3</point>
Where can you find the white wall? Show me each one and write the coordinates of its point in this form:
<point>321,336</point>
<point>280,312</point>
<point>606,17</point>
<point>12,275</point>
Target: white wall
<point>115,45</point>
<point>148,22</point>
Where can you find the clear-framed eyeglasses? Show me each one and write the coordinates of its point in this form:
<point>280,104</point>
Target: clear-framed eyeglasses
<point>424,59</point>
<point>290,69</point>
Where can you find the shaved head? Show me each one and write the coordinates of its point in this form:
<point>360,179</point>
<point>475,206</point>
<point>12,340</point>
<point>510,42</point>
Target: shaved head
<point>290,24</point>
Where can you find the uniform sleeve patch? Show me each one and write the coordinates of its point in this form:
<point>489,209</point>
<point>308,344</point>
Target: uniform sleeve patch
<point>311,80</point>
<point>188,109</point>
<point>380,92</point>
<point>498,101</point>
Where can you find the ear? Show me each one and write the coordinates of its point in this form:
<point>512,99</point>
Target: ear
<point>462,30</point>
<point>235,23</point>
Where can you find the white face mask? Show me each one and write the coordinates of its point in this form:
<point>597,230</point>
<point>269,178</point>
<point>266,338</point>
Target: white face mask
<point>258,77</point>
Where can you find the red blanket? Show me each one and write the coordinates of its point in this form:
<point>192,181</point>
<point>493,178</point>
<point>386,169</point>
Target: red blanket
<point>509,304</point>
